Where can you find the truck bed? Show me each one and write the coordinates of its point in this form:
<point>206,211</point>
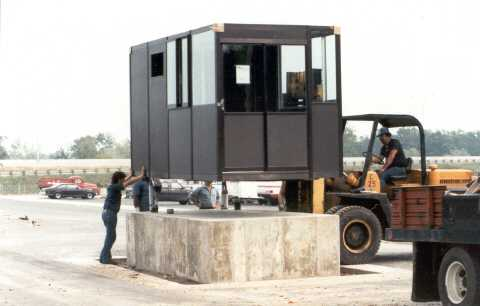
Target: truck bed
<point>461,223</point>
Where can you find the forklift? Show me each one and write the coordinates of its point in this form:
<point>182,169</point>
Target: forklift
<point>358,199</point>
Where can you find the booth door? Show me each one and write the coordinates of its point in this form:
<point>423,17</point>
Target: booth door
<point>265,124</point>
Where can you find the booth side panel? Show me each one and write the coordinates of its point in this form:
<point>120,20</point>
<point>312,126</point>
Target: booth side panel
<point>139,107</point>
<point>180,144</point>
<point>326,138</point>
<point>287,141</point>
<point>205,142</point>
<point>158,112</point>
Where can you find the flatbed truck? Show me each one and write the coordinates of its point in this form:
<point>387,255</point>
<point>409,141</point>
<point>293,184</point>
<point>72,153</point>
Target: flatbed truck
<point>446,263</point>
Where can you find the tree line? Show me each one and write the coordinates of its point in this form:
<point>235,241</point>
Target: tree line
<point>100,146</point>
<point>437,143</point>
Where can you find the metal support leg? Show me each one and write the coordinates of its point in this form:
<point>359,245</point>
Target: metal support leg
<point>224,195</point>
<point>318,197</point>
<point>282,201</point>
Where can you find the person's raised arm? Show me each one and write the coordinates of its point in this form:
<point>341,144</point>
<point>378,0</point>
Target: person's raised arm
<point>130,180</point>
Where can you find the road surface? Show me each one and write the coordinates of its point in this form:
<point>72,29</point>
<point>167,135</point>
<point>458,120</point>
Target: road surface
<point>49,250</point>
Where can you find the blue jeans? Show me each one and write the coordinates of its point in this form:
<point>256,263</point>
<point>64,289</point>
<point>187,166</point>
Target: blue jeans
<point>110,221</point>
<point>386,176</point>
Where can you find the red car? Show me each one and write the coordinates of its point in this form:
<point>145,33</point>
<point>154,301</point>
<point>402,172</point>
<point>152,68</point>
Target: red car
<point>46,182</point>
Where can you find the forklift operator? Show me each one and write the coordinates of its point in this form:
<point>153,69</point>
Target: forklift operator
<point>396,162</point>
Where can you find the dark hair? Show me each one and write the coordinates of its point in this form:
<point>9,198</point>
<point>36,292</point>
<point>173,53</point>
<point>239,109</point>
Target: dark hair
<point>117,176</point>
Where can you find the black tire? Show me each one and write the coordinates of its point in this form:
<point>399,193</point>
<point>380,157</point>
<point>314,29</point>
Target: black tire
<point>182,202</point>
<point>90,195</point>
<point>58,196</point>
<point>360,235</point>
<point>333,210</point>
<point>459,278</point>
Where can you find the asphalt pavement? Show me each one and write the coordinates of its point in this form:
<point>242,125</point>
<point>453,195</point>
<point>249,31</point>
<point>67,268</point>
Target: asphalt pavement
<point>49,251</point>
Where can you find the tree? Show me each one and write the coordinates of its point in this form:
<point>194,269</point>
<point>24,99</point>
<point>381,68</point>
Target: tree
<point>100,146</point>
<point>3,151</point>
<point>122,149</point>
<point>84,148</point>
<point>60,154</point>
<point>20,150</point>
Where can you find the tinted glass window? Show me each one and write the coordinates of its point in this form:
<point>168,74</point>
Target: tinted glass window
<point>203,68</point>
<point>324,69</point>
<point>293,78</point>
<point>157,64</point>
<point>171,73</point>
<point>243,74</point>
<point>184,68</point>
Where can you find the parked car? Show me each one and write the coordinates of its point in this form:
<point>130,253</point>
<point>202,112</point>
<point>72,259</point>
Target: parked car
<point>69,191</point>
<point>167,191</point>
<point>46,182</point>
<point>269,191</point>
<point>173,191</point>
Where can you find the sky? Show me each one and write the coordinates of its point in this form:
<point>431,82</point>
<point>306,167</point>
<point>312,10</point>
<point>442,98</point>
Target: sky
<point>64,64</point>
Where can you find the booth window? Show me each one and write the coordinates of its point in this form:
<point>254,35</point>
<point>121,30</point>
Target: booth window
<point>171,74</point>
<point>157,64</point>
<point>184,69</point>
<point>293,95</point>
<point>244,72</point>
<point>203,68</point>
<point>259,78</point>
<point>324,69</point>
<point>177,72</point>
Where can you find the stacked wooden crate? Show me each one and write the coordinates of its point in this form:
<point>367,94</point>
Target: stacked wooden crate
<point>417,207</point>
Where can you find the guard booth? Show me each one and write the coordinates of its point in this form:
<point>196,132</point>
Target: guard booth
<point>238,102</point>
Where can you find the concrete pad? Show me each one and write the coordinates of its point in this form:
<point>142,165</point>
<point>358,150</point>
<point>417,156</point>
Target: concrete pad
<point>210,246</point>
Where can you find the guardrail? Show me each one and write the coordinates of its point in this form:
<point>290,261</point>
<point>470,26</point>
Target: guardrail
<point>441,160</point>
<point>62,168</point>
<point>61,172</point>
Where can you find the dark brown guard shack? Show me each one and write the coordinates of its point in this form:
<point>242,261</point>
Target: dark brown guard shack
<point>238,102</point>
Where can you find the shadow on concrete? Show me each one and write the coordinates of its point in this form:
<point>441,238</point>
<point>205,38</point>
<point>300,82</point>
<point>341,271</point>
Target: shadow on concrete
<point>388,258</point>
<point>345,271</point>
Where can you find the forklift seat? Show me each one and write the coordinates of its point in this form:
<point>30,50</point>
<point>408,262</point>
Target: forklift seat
<point>407,168</point>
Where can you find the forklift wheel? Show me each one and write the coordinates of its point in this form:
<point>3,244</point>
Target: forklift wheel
<point>360,235</point>
<point>459,278</point>
<point>333,210</point>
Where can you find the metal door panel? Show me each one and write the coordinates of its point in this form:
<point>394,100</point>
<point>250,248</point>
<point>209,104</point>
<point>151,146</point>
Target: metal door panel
<point>287,141</point>
<point>139,107</point>
<point>326,137</point>
<point>244,141</point>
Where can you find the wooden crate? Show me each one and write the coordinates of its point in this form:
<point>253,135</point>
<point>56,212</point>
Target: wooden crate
<point>417,207</point>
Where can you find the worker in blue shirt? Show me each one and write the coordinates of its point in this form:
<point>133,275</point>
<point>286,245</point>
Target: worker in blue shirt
<point>141,194</point>
<point>205,197</point>
<point>111,207</point>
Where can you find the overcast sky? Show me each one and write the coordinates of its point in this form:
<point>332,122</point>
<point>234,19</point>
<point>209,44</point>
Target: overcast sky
<point>64,64</point>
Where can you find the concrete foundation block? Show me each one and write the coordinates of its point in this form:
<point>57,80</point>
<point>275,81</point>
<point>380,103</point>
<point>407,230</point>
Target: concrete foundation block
<point>224,246</point>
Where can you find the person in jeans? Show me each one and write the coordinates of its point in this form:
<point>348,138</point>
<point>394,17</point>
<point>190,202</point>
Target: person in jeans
<point>111,207</point>
<point>141,194</point>
<point>205,197</point>
<point>395,160</point>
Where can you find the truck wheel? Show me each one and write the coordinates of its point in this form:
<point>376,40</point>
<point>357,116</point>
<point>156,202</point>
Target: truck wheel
<point>459,278</point>
<point>90,196</point>
<point>360,235</point>
<point>58,196</point>
<point>333,210</point>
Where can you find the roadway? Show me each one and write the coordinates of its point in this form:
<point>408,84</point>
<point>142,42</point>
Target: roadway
<point>51,259</point>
